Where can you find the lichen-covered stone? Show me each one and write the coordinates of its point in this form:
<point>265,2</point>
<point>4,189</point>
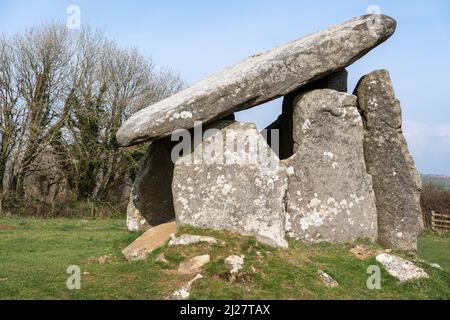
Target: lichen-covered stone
<point>400,268</point>
<point>240,189</point>
<point>284,124</point>
<point>235,263</point>
<point>327,279</point>
<point>260,78</point>
<point>186,240</point>
<point>330,195</point>
<point>396,182</point>
<point>152,190</point>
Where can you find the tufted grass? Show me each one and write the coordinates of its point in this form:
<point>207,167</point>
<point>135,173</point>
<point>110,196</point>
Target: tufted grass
<point>34,258</point>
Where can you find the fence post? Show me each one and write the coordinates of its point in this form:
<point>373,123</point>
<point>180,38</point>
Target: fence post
<point>92,209</point>
<point>432,220</point>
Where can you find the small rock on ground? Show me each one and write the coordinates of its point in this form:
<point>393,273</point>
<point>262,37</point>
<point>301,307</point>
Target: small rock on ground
<point>400,268</point>
<point>185,291</point>
<point>186,240</point>
<point>104,259</point>
<point>235,263</point>
<point>161,258</point>
<point>436,266</point>
<point>327,279</point>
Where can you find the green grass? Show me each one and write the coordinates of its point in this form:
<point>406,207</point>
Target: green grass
<point>435,248</point>
<point>34,258</point>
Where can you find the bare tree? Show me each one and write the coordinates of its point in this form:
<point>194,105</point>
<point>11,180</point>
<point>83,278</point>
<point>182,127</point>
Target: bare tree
<point>63,96</point>
<point>11,110</point>
<point>113,84</point>
<point>43,74</point>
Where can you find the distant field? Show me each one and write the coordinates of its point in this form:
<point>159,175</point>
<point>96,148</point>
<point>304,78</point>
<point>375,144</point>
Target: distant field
<point>441,180</point>
<point>34,256</point>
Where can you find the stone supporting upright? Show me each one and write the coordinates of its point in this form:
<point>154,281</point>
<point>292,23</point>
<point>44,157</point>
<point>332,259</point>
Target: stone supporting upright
<point>232,181</point>
<point>330,195</point>
<point>336,81</point>
<point>152,190</point>
<point>396,182</point>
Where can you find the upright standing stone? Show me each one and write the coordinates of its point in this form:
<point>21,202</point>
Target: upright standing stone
<point>396,182</point>
<point>260,78</point>
<point>336,81</point>
<point>236,183</point>
<point>152,190</point>
<point>330,195</point>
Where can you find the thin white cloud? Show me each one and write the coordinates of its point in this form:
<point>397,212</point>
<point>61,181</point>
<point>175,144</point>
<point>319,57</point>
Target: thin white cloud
<point>429,145</point>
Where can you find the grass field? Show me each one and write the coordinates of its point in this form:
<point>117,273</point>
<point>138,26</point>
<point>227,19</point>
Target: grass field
<point>35,255</point>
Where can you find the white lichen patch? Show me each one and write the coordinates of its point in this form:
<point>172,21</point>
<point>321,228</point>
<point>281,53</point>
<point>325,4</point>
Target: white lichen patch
<point>313,219</point>
<point>227,189</point>
<point>181,115</point>
<point>306,125</point>
<point>328,155</point>
<point>290,171</point>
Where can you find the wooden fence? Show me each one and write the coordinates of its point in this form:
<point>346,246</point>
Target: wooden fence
<point>440,222</point>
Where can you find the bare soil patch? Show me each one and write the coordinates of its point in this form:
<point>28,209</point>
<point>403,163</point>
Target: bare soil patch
<point>5,227</point>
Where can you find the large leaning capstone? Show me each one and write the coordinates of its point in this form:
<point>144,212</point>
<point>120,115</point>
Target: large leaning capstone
<point>396,182</point>
<point>232,181</point>
<point>260,78</point>
<point>330,196</point>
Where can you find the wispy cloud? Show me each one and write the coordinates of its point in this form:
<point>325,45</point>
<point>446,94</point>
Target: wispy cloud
<point>429,145</point>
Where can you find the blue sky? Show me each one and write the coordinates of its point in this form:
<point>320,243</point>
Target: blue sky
<point>200,37</point>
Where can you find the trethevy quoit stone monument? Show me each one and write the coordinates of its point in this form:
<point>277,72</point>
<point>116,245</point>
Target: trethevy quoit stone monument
<point>334,167</point>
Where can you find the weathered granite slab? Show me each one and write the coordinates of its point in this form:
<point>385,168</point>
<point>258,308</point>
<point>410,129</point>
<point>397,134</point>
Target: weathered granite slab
<point>260,78</point>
